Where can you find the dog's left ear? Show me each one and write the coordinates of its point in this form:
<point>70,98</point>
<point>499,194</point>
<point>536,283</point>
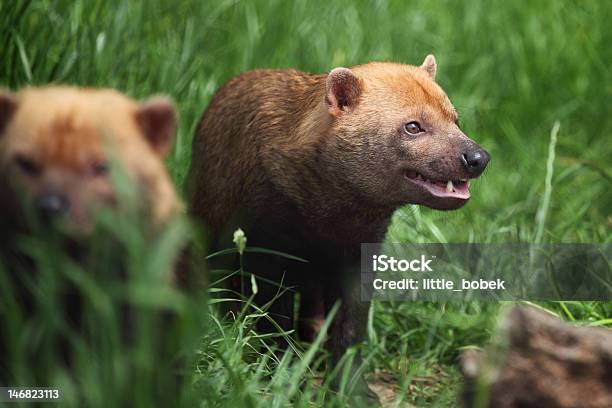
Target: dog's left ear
<point>157,120</point>
<point>430,66</point>
<point>8,106</point>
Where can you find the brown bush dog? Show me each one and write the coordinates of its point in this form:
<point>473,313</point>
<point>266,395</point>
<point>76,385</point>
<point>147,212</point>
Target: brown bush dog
<point>56,147</point>
<point>315,165</point>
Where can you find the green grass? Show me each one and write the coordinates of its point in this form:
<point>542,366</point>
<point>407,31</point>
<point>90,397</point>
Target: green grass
<point>512,70</point>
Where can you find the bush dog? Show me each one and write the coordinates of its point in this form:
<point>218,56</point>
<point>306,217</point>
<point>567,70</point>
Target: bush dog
<point>56,145</point>
<point>315,165</point>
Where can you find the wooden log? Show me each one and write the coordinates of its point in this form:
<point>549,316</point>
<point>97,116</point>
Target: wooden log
<point>541,362</point>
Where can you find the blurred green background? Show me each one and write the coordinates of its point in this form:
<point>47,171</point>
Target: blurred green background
<point>512,69</point>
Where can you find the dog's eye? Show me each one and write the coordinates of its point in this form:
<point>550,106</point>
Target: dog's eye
<point>28,166</point>
<point>413,128</point>
<point>99,169</point>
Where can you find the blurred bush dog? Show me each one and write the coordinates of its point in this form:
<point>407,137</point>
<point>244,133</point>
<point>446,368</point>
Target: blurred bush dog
<point>55,144</point>
<point>56,149</point>
<point>315,165</point>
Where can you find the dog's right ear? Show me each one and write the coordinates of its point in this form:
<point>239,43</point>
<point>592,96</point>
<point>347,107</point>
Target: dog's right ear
<point>343,91</point>
<point>8,106</point>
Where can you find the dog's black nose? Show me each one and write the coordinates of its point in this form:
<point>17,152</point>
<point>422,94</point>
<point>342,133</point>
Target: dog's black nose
<point>52,205</point>
<point>475,161</point>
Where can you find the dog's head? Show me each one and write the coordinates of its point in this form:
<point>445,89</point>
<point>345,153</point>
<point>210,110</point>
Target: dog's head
<point>56,143</point>
<point>399,136</point>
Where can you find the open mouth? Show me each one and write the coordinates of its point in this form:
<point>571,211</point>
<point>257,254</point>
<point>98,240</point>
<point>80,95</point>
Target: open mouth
<point>444,189</point>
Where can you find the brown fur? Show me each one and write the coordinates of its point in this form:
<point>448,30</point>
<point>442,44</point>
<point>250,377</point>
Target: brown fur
<point>314,165</point>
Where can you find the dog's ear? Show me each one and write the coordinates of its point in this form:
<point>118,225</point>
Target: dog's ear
<point>8,106</point>
<point>343,91</point>
<point>157,120</point>
<point>430,66</point>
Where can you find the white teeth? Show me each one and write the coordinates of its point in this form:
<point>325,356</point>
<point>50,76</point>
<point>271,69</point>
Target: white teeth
<point>464,180</point>
<point>468,183</point>
<point>449,186</point>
